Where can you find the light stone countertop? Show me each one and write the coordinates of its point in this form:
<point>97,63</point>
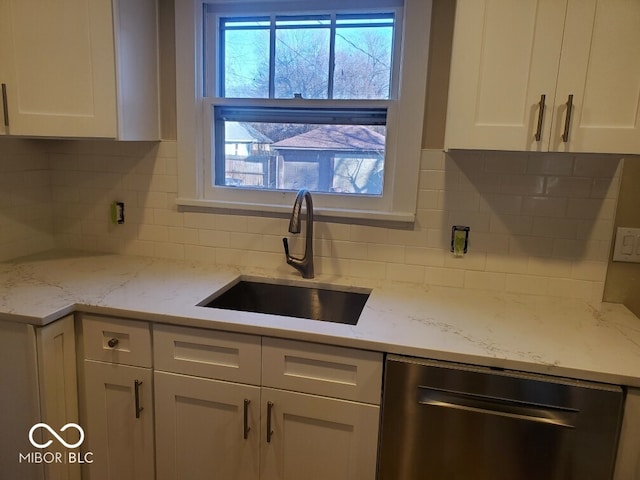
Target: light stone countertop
<point>555,336</point>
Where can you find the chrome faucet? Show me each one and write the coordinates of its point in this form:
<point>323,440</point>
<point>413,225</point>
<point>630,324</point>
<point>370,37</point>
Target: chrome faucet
<point>305,264</point>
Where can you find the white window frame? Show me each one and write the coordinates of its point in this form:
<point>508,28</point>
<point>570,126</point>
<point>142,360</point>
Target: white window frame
<point>404,126</point>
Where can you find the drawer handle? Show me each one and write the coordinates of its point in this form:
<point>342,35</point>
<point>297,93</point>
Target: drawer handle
<point>247,428</point>
<point>269,430</point>
<point>567,119</point>
<point>113,342</point>
<point>540,117</point>
<point>136,389</point>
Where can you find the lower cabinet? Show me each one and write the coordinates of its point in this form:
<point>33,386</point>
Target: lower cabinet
<point>317,438</point>
<point>118,399</point>
<point>226,405</point>
<point>37,385</point>
<point>226,408</point>
<point>119,421</point>
<point>206,428</point>
<point>58,388</point>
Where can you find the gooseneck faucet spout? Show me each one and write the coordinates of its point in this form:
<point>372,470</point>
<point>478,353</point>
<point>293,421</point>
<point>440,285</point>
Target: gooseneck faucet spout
<point>305,264</point>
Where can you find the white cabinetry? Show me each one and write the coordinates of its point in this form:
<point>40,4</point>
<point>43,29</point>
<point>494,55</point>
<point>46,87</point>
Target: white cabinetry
<point>206,428</point>
<point>118,398</point>
<point>308,434</point>
<point>315,437</point>
<point>58,387</point>
<point>38,384</point>
<point>207,422</point>
<point>241,421</point>
<point>79,68</point>
<point>628,462</point>
<point>579,59</point>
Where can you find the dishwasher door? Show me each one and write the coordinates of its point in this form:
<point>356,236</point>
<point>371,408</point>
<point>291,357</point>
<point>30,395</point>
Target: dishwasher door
<point>445,421</point>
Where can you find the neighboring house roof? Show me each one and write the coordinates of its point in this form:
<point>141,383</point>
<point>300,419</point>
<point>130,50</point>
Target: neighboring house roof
<point>239,132</point>
<point>334,137</point>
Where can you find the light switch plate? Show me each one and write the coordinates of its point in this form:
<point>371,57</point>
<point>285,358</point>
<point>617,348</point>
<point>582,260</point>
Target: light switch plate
<point>627,246</point>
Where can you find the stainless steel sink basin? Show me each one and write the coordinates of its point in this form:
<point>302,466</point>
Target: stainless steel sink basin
<point>312,303</point>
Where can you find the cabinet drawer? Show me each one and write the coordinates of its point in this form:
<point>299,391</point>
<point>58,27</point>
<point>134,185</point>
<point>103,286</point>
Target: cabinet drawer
<point>116,340</point>
<point>207,353</point>
<point>322,370</point>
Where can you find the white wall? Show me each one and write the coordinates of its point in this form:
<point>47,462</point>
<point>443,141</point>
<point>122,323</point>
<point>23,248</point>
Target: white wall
<point>540,224</point>
<point>25,199</point>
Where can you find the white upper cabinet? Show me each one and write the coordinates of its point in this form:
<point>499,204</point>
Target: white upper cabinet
<point>517,66</point>
<point>79,68</point>
<point>600,67</point>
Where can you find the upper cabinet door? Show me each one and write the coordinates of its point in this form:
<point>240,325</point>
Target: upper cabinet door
<point>59,67</point>
<point>600,67</point>
<point>505,58</point>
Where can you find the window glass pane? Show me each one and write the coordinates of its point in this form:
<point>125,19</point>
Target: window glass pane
<point>333,158</point>
<point>363,60</point>
<point>245,58</point>
<point>302,62</point>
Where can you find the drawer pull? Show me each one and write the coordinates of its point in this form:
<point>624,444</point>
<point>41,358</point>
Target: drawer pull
<point>247,428</point>
<point>136,388</point>
<point>269,430</point>
<point>113,342</point>
<point>540,117</point>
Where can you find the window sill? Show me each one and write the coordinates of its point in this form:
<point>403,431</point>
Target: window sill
<point>392,219</point>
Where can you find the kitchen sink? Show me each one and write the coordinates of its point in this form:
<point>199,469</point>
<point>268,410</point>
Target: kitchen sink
<point>310,302</point>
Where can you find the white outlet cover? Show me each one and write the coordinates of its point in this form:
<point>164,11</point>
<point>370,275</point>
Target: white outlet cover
<point>629,238</point>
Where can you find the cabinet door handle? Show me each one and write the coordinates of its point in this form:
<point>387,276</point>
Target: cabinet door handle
<point>247,428</point>
<point>269,430</point>
<point>567,119</point>
<point>5,105</point>
<point>540,117</point>
<point>113,342</point>
<point>136,389</point>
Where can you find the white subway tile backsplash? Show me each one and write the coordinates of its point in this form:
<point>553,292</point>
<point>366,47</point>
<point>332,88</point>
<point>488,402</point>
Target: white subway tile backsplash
<point>570,288</point>
<point>530,284</point>
<point>394,254</point>
<point>568,186</point>
<point>596,166</point>
<point>549,267</point>
<point>471,261</point>
<point>405,273</point>
<point>446,277</point>
<point>367,269</point>
<point>540,223</point>
<point>213,238</point>
<point>544,206</point>
<point>507,263</point>
<point>485,280</point>
<point>499,162</point>
<point>522,184</point>
<point>434,257</point>
<point>504,204</point>
<point>550,164</point>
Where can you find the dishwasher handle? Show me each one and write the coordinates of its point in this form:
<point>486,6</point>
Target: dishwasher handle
<point>503,407</point>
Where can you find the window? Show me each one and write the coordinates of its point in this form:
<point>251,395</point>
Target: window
<point>302,94</point>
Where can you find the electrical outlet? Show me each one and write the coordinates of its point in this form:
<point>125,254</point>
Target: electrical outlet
<point>627,245</point>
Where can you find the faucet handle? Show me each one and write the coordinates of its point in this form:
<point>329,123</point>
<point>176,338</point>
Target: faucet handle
<point>285,242</point>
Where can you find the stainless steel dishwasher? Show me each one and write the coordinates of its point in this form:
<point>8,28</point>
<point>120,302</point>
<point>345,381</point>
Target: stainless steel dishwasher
<point>444,421</point>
